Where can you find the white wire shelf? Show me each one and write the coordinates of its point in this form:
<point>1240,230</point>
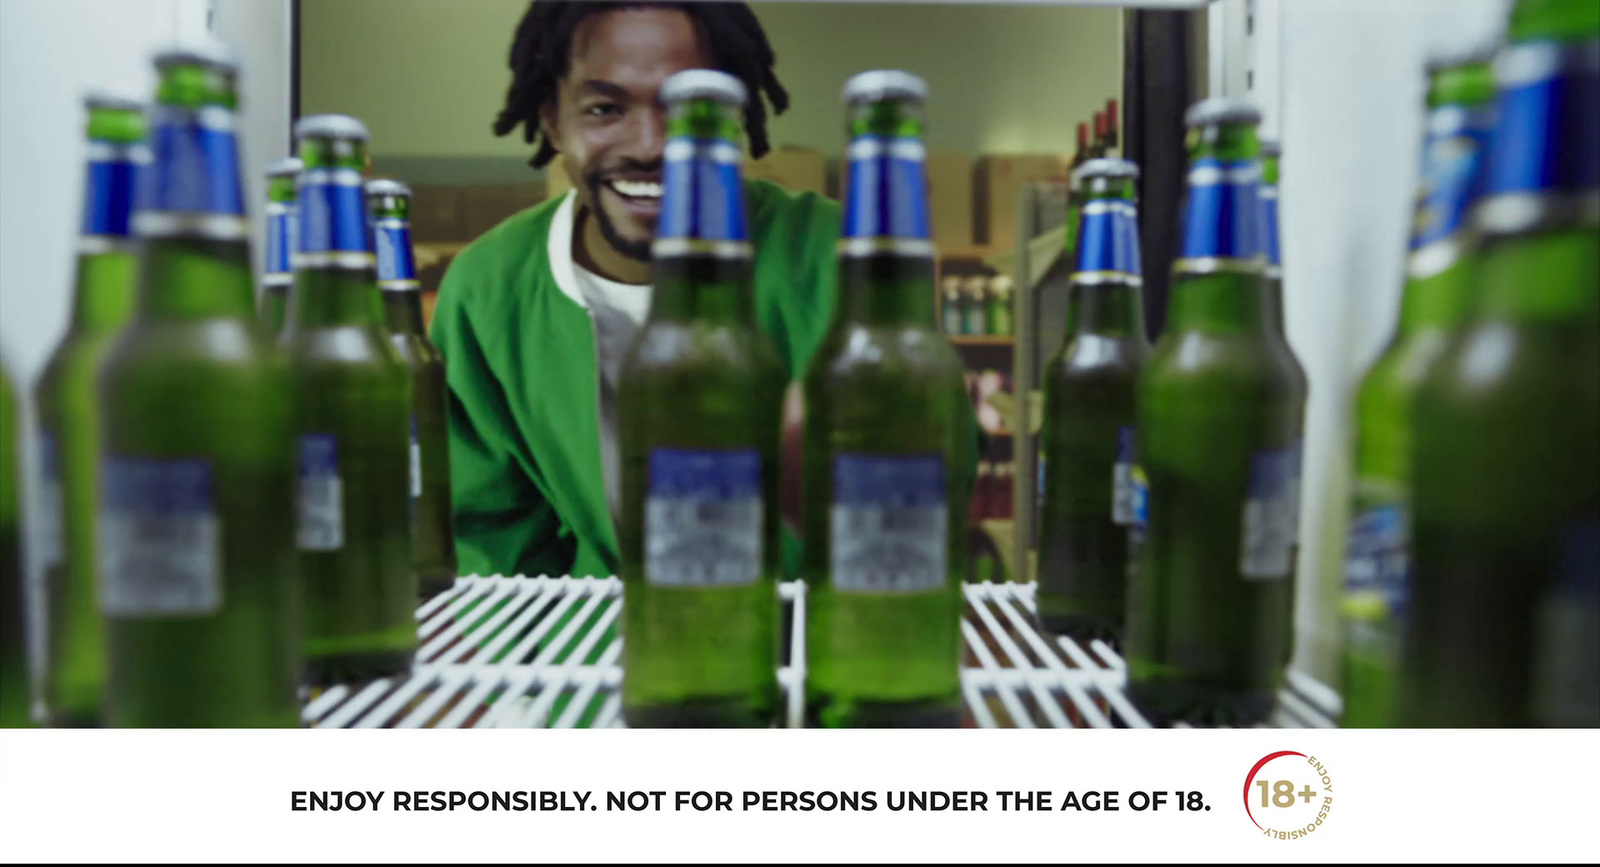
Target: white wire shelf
<point>542,652</point>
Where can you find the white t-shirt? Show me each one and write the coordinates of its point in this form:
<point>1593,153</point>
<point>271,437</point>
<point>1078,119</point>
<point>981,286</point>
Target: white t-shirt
<point>619,311</point>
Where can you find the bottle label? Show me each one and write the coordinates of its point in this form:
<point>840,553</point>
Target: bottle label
<point>1139,527</point>
<point>889,523</point>
<point>1128,234</point>
<point>1124,505</point>
<point>1452,159</point>
<point>109,193</point>
<point>1268,223</point>
<point>281,219</point>
<point>886,196</point>
<point>1296,479</point>
<point>1266,540</point>
<point>703,194</point>
<point>1566,660</point>
<point>321,504</point>
<point>333,216</point>
<point>1377,563</point>
<point>1108,239</point>
<point>195,168</point>
<point>51,546</point>
<point>1548,131</point>
<point>703,518</point>
<point>159,538</point>
<point>1221,212</point>
<point>397,268</point>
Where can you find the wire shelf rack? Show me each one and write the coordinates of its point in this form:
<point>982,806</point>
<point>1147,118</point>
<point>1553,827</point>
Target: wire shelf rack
<point>545,652</point>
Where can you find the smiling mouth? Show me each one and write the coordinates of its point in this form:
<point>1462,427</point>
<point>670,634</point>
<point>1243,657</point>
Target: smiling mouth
<point>641,198</point>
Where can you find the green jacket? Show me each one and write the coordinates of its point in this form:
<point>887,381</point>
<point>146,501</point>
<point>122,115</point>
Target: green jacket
<point>518,343</point>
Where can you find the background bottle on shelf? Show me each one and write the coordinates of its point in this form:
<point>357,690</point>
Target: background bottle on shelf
<point>195,530</point>
<point>353,398</point>
<point>1504,620</point>
<point>68,414</point>
<point>887,448</point>
<point>700,402</point>
<point>1090,420</point>
<point>1217,420</point>
<point>975,307</point>
<point>1432,307</point>
<point>433,541</point>
<point>277,278</point>
<point>1000,319</point>
<point>951,312</point>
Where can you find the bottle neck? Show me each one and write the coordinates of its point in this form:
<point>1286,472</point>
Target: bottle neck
<point>1220,303</point>
<point>104,297</point>
<point>887,290</point>
<point>402,312</point>
<point>334,297</point>
<point>193,278</point>
<point>702,289</point>
<point>1109,309</point>
<point>1543,277</point>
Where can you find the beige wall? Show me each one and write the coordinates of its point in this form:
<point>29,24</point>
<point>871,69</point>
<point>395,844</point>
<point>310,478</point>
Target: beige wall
<point>428,76</point>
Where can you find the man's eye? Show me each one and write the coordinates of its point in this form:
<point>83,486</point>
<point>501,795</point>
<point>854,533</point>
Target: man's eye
<point>602,109</point>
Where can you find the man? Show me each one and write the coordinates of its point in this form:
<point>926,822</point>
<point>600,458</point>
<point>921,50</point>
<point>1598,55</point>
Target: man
<point>534,317</point>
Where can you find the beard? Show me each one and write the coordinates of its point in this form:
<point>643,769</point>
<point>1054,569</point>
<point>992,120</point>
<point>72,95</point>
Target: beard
<point>639,251</point>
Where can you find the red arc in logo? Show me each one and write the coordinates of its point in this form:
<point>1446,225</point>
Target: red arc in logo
<point>1252,776</point>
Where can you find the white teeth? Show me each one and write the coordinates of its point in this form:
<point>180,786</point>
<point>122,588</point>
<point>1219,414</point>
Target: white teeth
<point>637,189</point>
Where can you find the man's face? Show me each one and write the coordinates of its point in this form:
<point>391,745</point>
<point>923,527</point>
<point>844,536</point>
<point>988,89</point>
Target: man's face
<point>608,121</point>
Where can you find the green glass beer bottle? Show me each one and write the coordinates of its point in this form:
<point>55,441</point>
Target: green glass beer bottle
<point>277,278</point>
<point>103,300</point>
<point>353,398</point>
<point>1432,307</point>
<point>700,402</point>
<point>1089,419</point>
<point>888,444</point>
<point>433,540</point>
<point>1505,501</point>
<point>16,698</point>
<point>1278,339</point>
<point>1217,420</point>
<point>194,531</point>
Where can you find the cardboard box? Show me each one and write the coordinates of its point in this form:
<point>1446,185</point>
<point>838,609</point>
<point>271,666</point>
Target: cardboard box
<point>998,181</point>
<point>950,198</point>
<point>796,169</point>
<point>482,207</point>
<point>436,213</point>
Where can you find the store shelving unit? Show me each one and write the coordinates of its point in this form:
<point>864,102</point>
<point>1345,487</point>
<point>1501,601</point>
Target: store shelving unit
<point>543,652</point>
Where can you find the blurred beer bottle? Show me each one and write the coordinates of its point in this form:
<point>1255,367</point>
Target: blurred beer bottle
<point>16,696</point>
<point>277,278</point>
<point>1504,622</point>
<point>433,541</point>
<point>1432,307</point>
<point>1090,419</point>
<point>888,444</point>
<point>196,500</point>
<point>69,448</point>
<point>1278,342</point>
<point>1217,421</point>
<point>700,404</point>
<point>353,398</point>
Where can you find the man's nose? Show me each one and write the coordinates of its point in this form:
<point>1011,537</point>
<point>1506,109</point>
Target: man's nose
<point>648,136</point>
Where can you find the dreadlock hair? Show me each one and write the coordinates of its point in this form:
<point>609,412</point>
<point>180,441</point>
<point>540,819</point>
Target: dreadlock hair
<point>541,55</point>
